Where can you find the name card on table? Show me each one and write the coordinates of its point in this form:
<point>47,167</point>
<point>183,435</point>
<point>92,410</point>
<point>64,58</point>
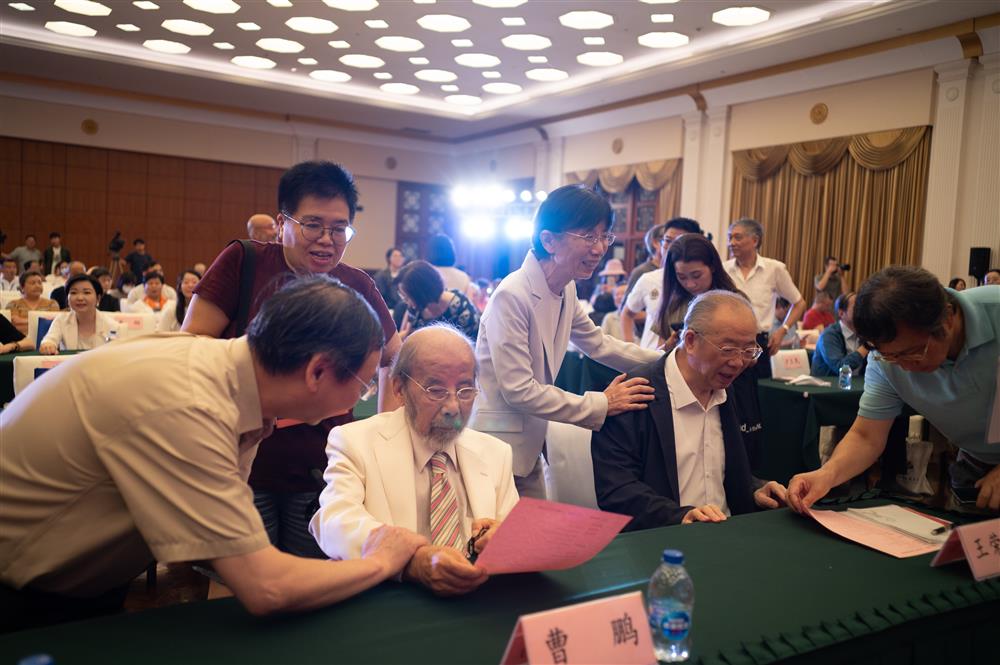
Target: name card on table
<point>789,363</point>
<point>610,630</point>
<point>977,543</point>
<point>132,322</point>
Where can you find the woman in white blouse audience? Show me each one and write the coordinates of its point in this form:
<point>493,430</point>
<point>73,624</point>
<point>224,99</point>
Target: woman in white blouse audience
<point>173,312</point>
<point>82,327</point>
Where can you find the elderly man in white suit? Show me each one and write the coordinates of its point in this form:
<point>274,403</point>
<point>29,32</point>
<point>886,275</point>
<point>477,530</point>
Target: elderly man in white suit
<point>527,326</point>
<point>396,468</point>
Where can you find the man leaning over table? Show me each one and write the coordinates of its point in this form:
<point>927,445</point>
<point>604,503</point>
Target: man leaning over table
<point>418,467</point>
<point>683,459</point>
<point>936,350</point>
<point>95,487</point>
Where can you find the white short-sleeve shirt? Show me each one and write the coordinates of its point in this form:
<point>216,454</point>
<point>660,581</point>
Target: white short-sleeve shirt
<point>645,296</point>
<point>763,284</point>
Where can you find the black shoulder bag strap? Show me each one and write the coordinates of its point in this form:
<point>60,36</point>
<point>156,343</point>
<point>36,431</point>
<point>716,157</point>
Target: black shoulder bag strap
<point>247,272</point>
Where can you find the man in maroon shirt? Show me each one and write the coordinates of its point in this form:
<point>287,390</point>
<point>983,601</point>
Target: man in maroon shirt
<point>316,206</point>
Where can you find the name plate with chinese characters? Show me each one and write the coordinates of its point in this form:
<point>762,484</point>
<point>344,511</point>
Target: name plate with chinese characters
<point>978,543</point>
<point>610,630</point>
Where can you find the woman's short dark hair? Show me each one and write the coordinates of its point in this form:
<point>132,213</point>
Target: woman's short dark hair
<point>689,247</point>
<point>441,251</point>
<point>900,295</point>
<point>954,282</point>
<point>23,279</point>
<point>98,273</point>
<point>322,179</point>
<point>310,315</point>
<point>388,253</point>
<point>570,207</point>
<point>126,278</point>
<point>421,282</point>
<point>90,279</point>
<point>153,275</point>
<point>843,302</point>
<point>181,308</point>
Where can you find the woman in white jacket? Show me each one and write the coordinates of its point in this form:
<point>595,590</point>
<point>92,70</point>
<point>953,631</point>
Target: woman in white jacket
<point>82,327</point>
<point>172,316</point>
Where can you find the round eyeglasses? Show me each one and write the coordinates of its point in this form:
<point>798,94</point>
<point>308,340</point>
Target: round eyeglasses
<point>440,393</point>
<point>593,238</point>
<point>312,231</point>
<point>729,352</point>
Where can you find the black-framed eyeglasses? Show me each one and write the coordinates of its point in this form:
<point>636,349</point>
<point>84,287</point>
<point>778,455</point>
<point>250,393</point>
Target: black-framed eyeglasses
<point>312,231</point>
<point>897,358</point>
<point>593,238</point>
<point>730,352</point>
<point>370,388</point>
<point>440,393</point>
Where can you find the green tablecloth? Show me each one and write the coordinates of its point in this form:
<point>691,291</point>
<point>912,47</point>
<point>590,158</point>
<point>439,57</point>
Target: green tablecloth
<point>769,587</point>
<point>792,416</point>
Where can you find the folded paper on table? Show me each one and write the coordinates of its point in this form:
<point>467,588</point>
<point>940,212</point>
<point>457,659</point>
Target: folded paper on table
<point>542,535</point>
<point>873,535</point>
<point>978,543</point>
<point>905,520</point>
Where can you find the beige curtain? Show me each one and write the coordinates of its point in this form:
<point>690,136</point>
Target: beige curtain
<point>662,175</point>
<point>860,198</point>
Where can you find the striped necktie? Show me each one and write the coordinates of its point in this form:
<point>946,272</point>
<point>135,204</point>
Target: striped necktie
<point>444,505</point>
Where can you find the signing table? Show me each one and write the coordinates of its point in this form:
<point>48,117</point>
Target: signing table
<point>769,587</point>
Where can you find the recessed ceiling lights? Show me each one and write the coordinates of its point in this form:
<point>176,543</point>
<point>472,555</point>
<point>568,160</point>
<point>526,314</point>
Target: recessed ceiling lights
<point>362,61</point>
<point>599,59</point>
<point>311,25</point>
<point>537,59</point>
<point>330,76</point>
<point>662,18</point>
<point>443,23</point>
<point>463,100</point>
<point>71,29</point>
<point>593,41</point>
<point>546,74</point>
<point>424,2</point>
<point>249,26</point>
<point>21,6</point>
<point>382,76</point>
<point>461,43</point>
<point>377,24</point>
<point>339,43</point>
<point>480,60</point>
<point>223,46</point>
<point>502,88</point>
<point>307,61</point>
<point>740,16</point>
<point>436,75</point>
<point>146,4</point>
<point>513,21</point>
<point>400,44</point>
<point>213,6</point>
<point>663,39</point>
<point>586,20</point>
<point>352,5</point>
<point>419,61</point>
<point>492,75</point>
<point>659,2</point>
<point>279,45</point>
<point>449,88</point>
<point>500,4</point>
<point>84,7</point>
<point>254,62</point>
<point>279,3</point>
<point>185,27</point>
<point>166,46</point>
<point>127,27</point>
<point>526,42</point>
<point>399,88</point>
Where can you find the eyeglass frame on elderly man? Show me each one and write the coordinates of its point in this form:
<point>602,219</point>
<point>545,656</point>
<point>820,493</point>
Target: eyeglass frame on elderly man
<point>309,230</point>
<point>593,238</point>
<point>729,352</point>
<point>443,392</point>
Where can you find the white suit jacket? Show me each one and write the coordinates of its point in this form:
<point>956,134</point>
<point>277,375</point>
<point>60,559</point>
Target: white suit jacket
<point>65,333</point>
<point>370,476</point>
<point>519,357</point>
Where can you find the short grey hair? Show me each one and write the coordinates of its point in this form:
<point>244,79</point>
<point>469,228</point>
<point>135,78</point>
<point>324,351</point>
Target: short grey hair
<point>753,226</point>
<point>703,307</point>
<point>406,359</point>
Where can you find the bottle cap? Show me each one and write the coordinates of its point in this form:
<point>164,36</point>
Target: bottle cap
<point>675,557</point>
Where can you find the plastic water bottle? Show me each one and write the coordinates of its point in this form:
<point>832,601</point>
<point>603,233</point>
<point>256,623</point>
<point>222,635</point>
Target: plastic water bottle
<point>844,378</point>
<point>670,602</point>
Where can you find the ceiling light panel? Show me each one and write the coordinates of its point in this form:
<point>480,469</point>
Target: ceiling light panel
<point>526,42</point>
<point>492,75</point>
<point>377,24</point>
<point>443,23</point>
<point>83,7</point>
<point>463,100</point>
<point>166,46</point>
<point>307,61</point>
<point>279,45</point>
<point>382,76</point>
<point>478,60</point>
<point>600,59</point>
<point>663,39</point>
<point>21,6</point>
<point>249,26</point>
<point>741,16</point>
<point>70,28</point>
<point>399,44</point>
<point>254,62</point>
<point>146,4</point>
<point>330,76</point>
<point>436,75</point>
<point>424,2</point>
<point>399,88</point>
<point>546,74</point>
<point>593,41</point>
<point>419,61</point>
<point>660,2</point>
<point>213,6</point>
<point>339,43</point>
<point>223,46</point>
<point>184,27</point>
<point>352,5</point>
<point>127,27</point>
<point>537,59</point>
<point>500,4</point>
<point>311,25</point>
<point>362,61</point>
<point>662,18</point>
<point>461,43</point>
<point>513,21</point>
<point>499,88</point>
<point>449,88</point>
<point>586,20</point>
<point>279,3</point>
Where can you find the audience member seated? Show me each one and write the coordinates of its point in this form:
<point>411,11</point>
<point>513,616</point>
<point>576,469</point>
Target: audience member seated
<point>172,316</point>
<point>137,295</point>
<point>13,340</point>
<point>58,275</point>
<point>419,468</point>
<point>109,302</point>
<point>839,343</point>
<point>992,277</point>
<point>385,279</point>
<point>32,285</point>
<point>441,255</point>
<point>123,287</point>
<point>71,269</point>
<point>790,341</point>
<point>611,324</point>
<point>155,298</point>
<point>957,283</point>
<point>82,327</point>
<point>820,315</point>
<point>422,289</point>
<point>8,278</point>
<point>141,451</point>
<point>683,460</point>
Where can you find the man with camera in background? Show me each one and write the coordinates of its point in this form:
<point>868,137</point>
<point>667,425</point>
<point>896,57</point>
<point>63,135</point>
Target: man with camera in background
<point>831,280</point>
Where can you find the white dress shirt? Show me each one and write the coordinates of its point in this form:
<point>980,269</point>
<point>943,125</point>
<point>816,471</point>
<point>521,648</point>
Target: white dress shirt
<point>645,296</point>
<point>850,337</point>
<point>767,280</point>
<point>12,285</point>
<point>698,444</point>
<point>422,453</point>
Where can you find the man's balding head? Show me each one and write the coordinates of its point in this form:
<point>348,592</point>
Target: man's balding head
<point>262,227</point>
<point>77,268</point>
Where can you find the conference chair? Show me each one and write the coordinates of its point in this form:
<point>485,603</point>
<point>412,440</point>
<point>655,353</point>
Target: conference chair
<point>7,297</point>
<point>6,313</point>
<point>28,368</point>
<point>569,474</point>
<point>38,325</point>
